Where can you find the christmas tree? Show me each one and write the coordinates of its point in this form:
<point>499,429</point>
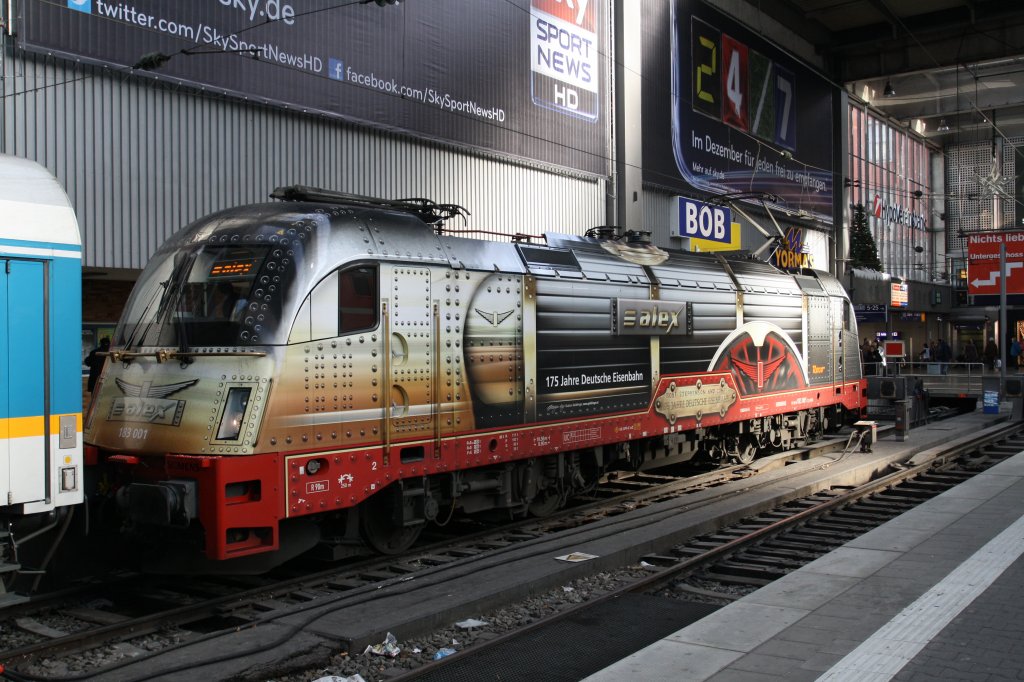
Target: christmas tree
<point>863,252</point>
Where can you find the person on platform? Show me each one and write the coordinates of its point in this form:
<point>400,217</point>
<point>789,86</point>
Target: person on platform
<point>970,353</point>
<point>991,353</point>
<point>94,361</point>
<point>945,355</point>
<point>926,354</point>
<point>872,360</point>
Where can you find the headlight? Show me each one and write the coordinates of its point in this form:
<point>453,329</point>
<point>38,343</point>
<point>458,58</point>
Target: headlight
<point>234,411</point>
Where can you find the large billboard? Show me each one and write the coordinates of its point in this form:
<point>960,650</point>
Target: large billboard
<point>526,78</point>
<point>742,115</point>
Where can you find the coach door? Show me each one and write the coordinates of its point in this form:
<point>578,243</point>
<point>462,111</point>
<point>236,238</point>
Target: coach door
<point>24,400</point>
<point>409,311</point>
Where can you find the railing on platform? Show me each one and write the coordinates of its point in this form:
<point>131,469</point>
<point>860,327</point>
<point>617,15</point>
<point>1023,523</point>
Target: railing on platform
<point>939,378</point>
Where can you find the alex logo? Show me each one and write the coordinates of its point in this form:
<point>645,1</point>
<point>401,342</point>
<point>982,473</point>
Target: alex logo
<point>650,317</point>
<point>666,320</point>
<point>148,404</point>
<point>81,5</point>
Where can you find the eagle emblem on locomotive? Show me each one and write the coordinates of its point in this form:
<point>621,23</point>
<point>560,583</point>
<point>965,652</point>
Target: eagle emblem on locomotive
<point>334,370</point>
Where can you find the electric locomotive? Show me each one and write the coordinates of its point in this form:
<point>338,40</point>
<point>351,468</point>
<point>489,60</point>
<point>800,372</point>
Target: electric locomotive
<point>335,370</point>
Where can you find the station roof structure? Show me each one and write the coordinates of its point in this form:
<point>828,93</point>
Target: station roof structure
<point>955,65</point>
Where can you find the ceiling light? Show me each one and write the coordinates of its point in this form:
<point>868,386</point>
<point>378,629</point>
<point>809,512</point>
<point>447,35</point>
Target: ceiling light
<point>943,126</point>
<point>889,91</point>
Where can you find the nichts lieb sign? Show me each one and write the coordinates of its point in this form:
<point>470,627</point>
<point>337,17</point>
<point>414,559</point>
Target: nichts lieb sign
<point>638,317</point>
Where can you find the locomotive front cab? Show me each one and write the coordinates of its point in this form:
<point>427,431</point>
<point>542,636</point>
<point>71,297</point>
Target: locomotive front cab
<point>177,413</point>
<point>251,351</point>
<point>193,356</point>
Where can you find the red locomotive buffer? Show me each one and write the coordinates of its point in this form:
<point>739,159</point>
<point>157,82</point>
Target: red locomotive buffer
<point>331,368</point>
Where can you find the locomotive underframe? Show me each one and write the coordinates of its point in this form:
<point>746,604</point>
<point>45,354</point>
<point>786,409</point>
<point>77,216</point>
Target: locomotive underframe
<point>169,511</point>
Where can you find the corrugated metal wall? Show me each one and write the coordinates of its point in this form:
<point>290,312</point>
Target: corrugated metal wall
<point>141,159</point>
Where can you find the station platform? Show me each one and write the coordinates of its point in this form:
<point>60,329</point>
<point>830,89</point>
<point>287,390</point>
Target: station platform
<point>937,593</point>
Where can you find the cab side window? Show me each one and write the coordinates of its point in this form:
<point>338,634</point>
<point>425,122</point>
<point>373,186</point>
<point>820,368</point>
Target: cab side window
<point>343,302</point>
<point>357,297</point>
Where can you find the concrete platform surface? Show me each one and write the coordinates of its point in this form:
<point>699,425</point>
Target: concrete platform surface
<point>937,593</point>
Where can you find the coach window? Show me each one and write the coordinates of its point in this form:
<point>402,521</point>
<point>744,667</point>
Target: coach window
<point>357,299</point>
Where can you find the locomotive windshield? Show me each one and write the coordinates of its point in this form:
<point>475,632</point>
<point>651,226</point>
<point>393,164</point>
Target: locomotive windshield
<point>213,295</point>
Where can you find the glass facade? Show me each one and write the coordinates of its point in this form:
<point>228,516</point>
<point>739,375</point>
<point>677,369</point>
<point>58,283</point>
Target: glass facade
<point>889,173</point>
<point>980,185</point>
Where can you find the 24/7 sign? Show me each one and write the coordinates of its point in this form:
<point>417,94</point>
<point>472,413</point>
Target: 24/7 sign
<point>741,87</point>
<point>983,276</point>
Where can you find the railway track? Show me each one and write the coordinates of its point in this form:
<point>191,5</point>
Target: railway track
<point>109,614</point>
<point>739,558</point>
<point>168,615</point>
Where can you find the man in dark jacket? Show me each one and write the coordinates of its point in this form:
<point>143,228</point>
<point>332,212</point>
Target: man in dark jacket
<point>991,353</point>
<point>95,361</point>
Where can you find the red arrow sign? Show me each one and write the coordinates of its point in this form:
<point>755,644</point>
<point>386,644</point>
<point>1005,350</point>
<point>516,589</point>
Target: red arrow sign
<point>983,276</point>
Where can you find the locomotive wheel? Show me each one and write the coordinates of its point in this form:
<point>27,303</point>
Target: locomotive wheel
<point>746,453</point>
<point>546,503</point>
<point>379,529</point>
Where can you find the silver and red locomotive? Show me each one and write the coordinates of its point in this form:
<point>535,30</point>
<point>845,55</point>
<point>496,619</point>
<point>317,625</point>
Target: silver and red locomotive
<point>329,368</point>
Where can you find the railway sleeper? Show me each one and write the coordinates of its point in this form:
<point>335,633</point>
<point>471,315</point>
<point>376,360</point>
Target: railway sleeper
<point>344,584</point>
<point>811,535</point>
<point>812,528</point>
<point>922,487</point>
<point>813,545</point>
<point>951,478</point>
<point>706,545</point>
<point>807,502</point>
<point>753,526</point>
<point>741,569</point>
<point>741,575</point>
<point>837,521</point>
<point>835,528</point>
<point>910,497</point>
<point>770,562</point>
<point>689,552</point>
<point>786,554</point>
<point>777,515</point>
<point>893,505</point>
<point>730,533</point>
<point>868,518</point>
